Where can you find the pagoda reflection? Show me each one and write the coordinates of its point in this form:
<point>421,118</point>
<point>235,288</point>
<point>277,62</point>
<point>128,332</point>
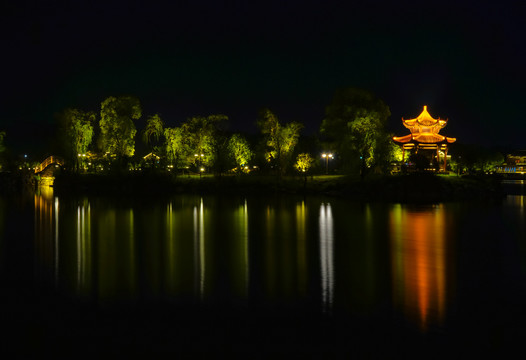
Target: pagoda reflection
<point>418,252</point>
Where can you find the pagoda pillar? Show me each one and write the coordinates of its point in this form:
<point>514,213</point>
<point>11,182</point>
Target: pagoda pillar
<point>438,159</point>
<point>445,159</point>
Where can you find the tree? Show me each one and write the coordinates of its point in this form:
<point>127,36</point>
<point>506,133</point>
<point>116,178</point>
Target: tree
<point>77,133</point>
<point>354,127</point>
<point>154,129</point>
<point>239,150</point>
<point>116,125</point>
<point>205,137</point>
<point>304,162</point>
<point>176,145</point>
<point>280,140</point>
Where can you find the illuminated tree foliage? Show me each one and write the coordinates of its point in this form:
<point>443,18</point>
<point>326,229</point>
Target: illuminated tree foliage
<point>116,125</point>
<point>280,140</point>
<point>239,150</point>
<point>395,152</point>
<point>153,130</point>
<point>304,162</point>
<point>354,127</point>
<point>203,137</point>
<point>77,133</point>
<point>176,145</point>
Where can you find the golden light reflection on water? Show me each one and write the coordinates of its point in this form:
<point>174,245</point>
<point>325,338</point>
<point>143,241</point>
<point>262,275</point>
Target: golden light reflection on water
<point>301,231</point>
<point>240,248</point>
<point>199,249</point>
<point>517,201</point>
<point>46,234</point>
<point>284,252</point>
<point>116,255</point>
<point>418,252</point>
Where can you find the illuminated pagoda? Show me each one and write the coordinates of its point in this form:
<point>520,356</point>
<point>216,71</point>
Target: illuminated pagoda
<point>425,136</point>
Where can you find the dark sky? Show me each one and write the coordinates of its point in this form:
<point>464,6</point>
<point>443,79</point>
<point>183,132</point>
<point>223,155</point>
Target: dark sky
<point>466,61</point>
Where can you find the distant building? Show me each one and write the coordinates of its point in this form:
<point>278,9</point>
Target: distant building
<point>425,138</point>
<point>514,164</point>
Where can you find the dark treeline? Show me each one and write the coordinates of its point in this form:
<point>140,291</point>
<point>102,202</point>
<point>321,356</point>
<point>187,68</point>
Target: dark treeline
<point>353,133</point>
<point>352,140</point>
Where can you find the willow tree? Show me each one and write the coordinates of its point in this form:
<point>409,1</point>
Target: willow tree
<point>117,128</point>
<point>76,133</point>
<point>176,145</point>
<point>280,139</point>
<point>239,150</point>
<point>355,128</point>
<point>153,130</point>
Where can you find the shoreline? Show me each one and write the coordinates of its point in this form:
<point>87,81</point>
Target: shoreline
<point>413,188</point>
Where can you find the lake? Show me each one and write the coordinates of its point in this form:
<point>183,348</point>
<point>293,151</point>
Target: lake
<point>261,275</point>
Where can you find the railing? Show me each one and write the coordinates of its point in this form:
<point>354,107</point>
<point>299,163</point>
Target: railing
<point>50,160</point>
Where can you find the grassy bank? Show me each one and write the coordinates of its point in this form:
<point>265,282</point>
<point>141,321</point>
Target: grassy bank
<point>406,188</point>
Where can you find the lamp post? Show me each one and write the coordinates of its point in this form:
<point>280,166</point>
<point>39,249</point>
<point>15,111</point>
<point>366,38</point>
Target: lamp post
<point>199,157</point>
<point>327,157</point>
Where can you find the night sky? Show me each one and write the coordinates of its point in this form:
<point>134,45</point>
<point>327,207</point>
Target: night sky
<point>467,61</point>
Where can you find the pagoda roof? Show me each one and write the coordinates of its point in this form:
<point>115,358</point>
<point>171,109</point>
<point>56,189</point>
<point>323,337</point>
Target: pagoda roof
<point>424,119</point>
<point>424,130</point>
<point>427,138</point>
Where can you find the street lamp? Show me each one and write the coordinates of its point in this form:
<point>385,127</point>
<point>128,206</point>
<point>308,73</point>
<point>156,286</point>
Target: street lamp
<point>327,157</point>
<point>199,157</point>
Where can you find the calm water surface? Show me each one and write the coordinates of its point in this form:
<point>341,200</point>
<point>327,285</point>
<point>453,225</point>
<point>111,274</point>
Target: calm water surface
<point>257,274</point>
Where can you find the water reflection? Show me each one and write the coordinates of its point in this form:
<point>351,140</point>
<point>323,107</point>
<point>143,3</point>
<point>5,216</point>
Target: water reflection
<point>515,206</point>
<point>418,262</point>
<point>240,272</point>
<point>516,201</point>
<point>46,234</point>
<point>83,248</point>
<point>116,255</point>
<point>199,249</point>
<point>326,256</point>
<point>215,249</point>
<point>301,233</point>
